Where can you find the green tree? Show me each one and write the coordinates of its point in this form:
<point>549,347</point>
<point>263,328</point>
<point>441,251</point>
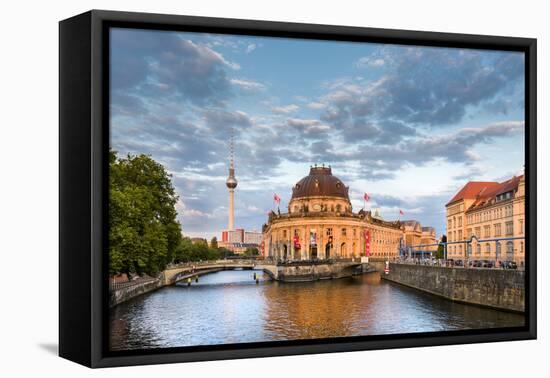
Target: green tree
<point>214,243</point>
<point>144,234</point>
<point>250,251</point>
<point>441,248</point>
<point>187,251</point>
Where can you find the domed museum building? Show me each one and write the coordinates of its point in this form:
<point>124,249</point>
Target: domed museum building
<point>320,224</point>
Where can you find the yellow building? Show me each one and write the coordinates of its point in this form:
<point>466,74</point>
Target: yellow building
<point>428,238</point>
<point>412,233</point>
<point>418,237</point>
<point>483,212</point>
<point>320,224</point>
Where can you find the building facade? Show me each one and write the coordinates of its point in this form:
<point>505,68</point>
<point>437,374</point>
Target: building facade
<point>418,239</point>
<point>486,221</point>
<point>320,224</point>
<point>239,240</point>
<point>428,239</point>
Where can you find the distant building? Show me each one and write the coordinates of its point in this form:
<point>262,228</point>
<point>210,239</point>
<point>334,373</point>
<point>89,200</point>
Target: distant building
<point>252,237</point>
<point>428,238</point>
<point>417,237</point>
<point>412,233</point>
<point>239,240</point>
<point>488,211</point>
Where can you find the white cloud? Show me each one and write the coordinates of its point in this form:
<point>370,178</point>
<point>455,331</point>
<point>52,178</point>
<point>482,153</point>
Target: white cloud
<point>251,47</point>
<point>316,105</point>
<point>248,85</point>
<point>370,62</point>
<point>285,109</point>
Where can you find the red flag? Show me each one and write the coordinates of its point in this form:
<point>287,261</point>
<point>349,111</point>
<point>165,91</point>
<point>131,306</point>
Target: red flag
<point>367,243</point>
<point>276,198</point>
<point>296,241</point>
<point>366,197</point>
<point>401,212</point>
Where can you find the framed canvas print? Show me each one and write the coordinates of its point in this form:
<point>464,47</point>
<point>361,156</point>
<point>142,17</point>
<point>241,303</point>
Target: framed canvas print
<point>234,188</point>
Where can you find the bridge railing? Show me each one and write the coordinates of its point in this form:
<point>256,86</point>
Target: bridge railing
<point>199,264</point>
<point>113,286</point>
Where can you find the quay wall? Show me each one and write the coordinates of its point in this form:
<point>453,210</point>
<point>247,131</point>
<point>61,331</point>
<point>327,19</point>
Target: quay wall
<point>497,288</point>
<point>314,272</point>
<point>126,293</point>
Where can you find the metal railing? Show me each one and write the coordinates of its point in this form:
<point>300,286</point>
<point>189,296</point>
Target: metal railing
<point>418,254</point>
<point>113,285</point>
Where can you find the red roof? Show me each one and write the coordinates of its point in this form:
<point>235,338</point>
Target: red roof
<point>472,189</point>
<point>488,197</point>
<point>484,192</point>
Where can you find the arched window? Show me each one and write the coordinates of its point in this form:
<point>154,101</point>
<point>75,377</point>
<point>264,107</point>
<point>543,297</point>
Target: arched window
<point>469,249</point>
<point>478,249</point>
<point>487,249</point>
<point>343,250</point>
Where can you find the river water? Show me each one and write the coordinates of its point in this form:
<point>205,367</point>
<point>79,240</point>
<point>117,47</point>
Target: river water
<point>229,307</point>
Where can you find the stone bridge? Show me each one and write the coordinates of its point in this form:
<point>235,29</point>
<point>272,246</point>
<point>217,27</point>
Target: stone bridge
<point>287,272</point>
<point>175,273</point>
<point>297,271</point>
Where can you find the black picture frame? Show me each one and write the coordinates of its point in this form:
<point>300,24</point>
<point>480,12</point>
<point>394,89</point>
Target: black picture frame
<point>83,167</point>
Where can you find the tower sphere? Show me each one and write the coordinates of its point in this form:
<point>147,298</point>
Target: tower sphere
<point>231,182</point>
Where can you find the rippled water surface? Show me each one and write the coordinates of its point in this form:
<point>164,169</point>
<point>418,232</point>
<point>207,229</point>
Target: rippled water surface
<point>229,307</point>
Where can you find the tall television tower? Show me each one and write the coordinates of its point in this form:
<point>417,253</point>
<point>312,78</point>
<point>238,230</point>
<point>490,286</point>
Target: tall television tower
<point>231,184</point>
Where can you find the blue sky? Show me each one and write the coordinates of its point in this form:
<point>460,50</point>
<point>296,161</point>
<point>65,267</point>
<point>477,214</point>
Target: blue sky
<point>409,125</point>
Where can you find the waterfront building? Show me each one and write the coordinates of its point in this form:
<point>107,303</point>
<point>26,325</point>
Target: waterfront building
<point>320,224</point>
<point>489,214</point>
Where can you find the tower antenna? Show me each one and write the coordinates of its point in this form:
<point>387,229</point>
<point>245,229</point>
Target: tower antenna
<point>231,182</point>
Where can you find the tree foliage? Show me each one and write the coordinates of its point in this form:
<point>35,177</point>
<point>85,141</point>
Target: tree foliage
<point>441,249</point>
<point>214,243</point>
<point>188,252</point>
<point>251,251</point>
<point>144,234</point>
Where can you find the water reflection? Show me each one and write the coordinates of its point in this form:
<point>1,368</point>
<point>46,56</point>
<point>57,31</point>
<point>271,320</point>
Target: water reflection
<point>229,307</point>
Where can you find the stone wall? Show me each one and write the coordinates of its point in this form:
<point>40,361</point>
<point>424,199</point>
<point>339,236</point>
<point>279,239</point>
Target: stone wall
<point>500,289</point>
<point>126,293</point>
<point>314,272</point>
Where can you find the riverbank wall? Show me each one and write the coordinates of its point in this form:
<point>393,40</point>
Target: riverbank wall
<point>133,290</point>
<point>496,288</point>
<point>314,272</point>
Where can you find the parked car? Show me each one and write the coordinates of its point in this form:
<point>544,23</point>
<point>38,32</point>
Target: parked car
<point>509,265</point>
<point>476,264</point>
<point>459,263</point>
<point>487,264</point>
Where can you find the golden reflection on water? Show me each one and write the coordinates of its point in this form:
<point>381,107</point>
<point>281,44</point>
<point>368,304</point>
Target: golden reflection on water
<point>305,311</point>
